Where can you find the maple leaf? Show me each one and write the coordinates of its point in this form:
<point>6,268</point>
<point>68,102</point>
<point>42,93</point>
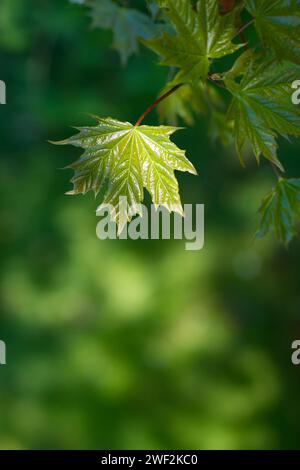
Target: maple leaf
<point>280,210</point>
<point>127,24</point>
<point>129,159</point>
<point>278,24</point>
<point>262,109</point>
<point>202,34</point>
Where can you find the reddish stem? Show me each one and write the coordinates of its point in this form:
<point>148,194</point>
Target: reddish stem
<point>156,102</point>
<point>241,33</point>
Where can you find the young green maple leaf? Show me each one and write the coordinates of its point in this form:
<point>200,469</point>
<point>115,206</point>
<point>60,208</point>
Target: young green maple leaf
<point>129,158</point>
<point>278,24</point>
<point>202,34</point>
<point>262,108</point>
<point>127,24</point>
<point>280,210</point>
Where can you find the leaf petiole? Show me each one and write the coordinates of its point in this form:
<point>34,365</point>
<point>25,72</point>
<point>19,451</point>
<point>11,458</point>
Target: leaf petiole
<point>156,102</point>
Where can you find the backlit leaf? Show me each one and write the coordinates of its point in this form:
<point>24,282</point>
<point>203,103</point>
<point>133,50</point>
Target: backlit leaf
<point>202,34</point>
<point>128,159</point>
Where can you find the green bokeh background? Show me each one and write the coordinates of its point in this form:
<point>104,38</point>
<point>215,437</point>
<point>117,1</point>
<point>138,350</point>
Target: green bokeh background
<point>131,344</point>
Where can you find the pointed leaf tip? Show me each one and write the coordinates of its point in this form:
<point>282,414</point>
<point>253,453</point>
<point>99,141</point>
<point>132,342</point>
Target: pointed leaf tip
<point>127,159</point>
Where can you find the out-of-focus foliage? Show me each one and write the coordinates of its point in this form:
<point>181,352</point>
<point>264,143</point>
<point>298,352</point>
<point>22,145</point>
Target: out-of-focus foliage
<point>127,24</point>
<point>131,344</point>
<point>279,210</point>
<point>188,101</point>
<point>13,34</point>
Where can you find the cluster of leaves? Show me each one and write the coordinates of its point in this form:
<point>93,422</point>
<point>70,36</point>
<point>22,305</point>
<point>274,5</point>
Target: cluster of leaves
<point>192,39</point>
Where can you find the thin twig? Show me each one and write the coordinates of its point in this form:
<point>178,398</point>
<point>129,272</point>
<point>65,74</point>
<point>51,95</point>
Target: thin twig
<point>240,32</point>
<point>156,102</point>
